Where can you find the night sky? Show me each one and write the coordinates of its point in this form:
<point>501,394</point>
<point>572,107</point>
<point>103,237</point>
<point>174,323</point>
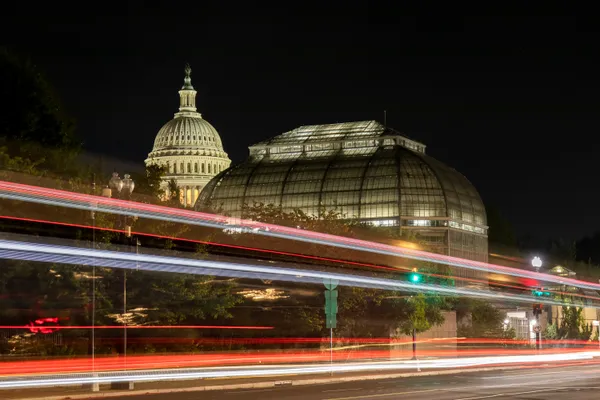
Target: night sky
<point>512,103</point>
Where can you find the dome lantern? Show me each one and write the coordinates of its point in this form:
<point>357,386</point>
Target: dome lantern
<point>187,94</point>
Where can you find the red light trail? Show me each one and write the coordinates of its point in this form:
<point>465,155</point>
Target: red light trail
<point>56,327</point>
<point>163,362</point>
<point>217,221</point>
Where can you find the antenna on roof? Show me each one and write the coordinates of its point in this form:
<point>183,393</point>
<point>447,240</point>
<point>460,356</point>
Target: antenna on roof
<point>385,118</point>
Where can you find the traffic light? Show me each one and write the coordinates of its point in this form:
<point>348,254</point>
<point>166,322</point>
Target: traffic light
<point>537,310</point>
<point>540,293</point>
<point>414,276</point>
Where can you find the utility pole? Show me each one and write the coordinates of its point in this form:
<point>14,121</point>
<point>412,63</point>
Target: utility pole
<point>95,385</point>
<point>414,277</point>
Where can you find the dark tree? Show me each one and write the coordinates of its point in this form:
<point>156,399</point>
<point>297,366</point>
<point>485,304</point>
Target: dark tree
<point>501,230</point>
<point>562,251</point>
<point>33,124</point>
<point>148,185</point>
<point>588,249</point>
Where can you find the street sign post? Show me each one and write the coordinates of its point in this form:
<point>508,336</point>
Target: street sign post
<point>331,309</point>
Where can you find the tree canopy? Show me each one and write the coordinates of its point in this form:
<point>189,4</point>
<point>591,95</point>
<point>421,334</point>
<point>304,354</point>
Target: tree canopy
<point>501,230</point>
<point>571,326</point>
<point>362,312</point>
<point>480,319</point>
<point>33,123</point>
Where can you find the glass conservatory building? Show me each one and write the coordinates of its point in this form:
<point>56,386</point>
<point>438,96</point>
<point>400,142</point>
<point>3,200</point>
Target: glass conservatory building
<point>366,172</point>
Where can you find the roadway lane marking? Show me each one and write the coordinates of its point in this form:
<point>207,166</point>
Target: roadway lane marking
<point>580,387</point>
<point>513,376</point>
<point>250,391</point>
<point>368,396</point>
<point>340,390</point>
<point>510,394</point>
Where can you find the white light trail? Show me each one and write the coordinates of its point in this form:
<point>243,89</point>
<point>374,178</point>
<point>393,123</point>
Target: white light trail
<point>103,258</point>
<point>237,372</point>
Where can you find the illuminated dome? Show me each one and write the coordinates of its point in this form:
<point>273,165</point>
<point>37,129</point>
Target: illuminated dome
<point>189,147</point>
<point>188,133</point>
<point>365,171</point>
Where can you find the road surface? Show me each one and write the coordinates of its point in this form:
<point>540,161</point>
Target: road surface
<point>573,382</point>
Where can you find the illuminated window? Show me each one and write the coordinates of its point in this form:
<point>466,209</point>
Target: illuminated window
<point>386,222</point>
<point>419,222</point>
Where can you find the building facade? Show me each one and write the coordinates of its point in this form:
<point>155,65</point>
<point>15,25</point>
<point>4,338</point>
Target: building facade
<point>189,147</point>
<point>366,172</point>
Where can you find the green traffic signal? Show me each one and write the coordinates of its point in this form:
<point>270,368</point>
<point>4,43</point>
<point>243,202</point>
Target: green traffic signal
<point>415,278</point>
<point>540,293</point>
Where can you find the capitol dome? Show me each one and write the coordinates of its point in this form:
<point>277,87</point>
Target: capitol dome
<point>365,171</point>
<point>189,147</point>
<point>187,132</point>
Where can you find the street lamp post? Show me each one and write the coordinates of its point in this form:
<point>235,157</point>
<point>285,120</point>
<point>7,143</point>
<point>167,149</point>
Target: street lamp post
<point>123,188</point>
<point>414,333</point>
<point>536,262</point>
